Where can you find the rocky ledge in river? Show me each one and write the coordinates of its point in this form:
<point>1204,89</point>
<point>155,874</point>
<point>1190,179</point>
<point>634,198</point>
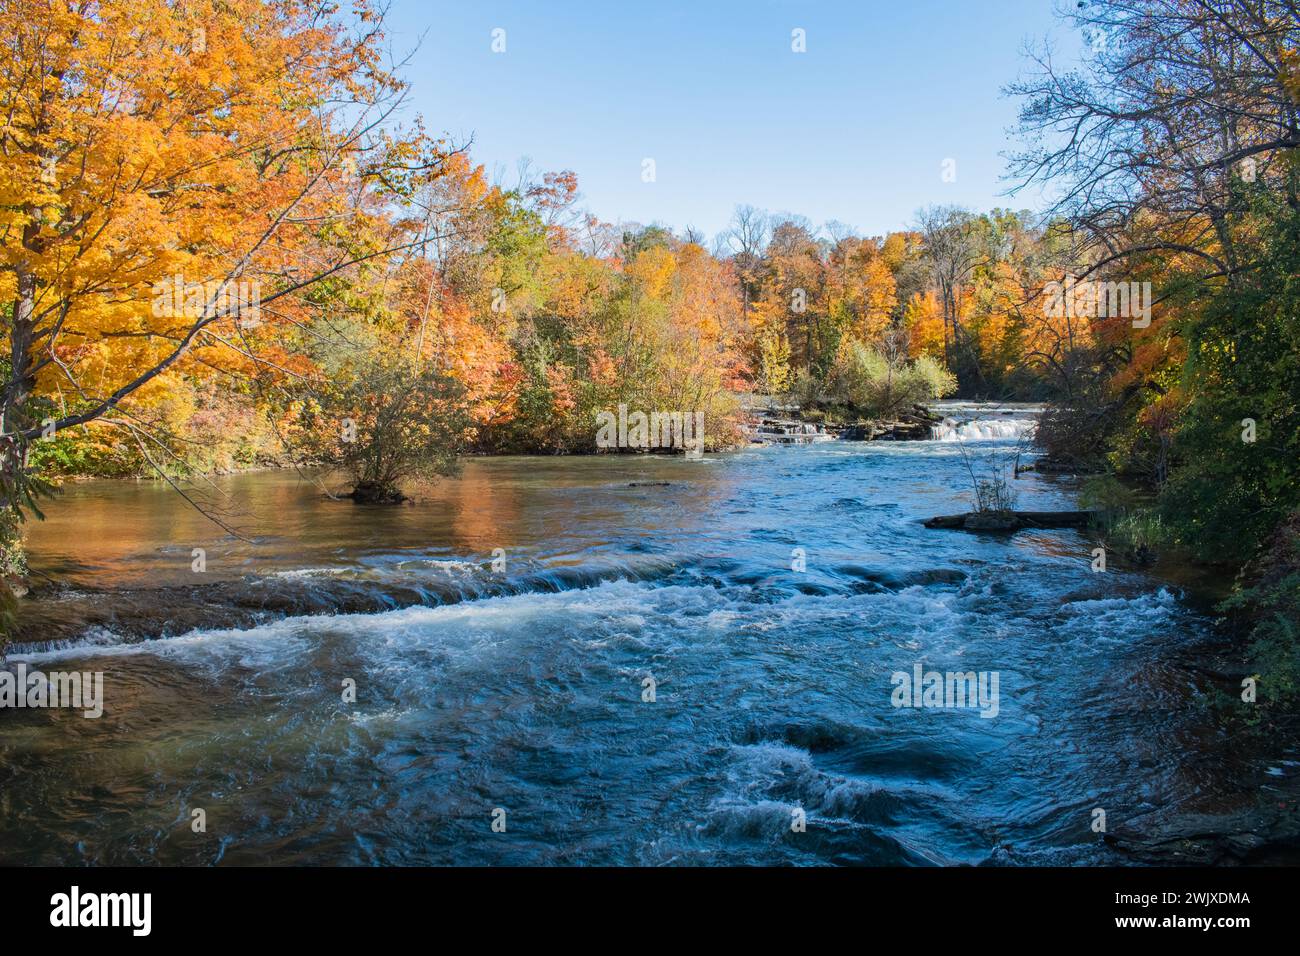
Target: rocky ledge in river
<point>914,425</point>
<point>886,431</point>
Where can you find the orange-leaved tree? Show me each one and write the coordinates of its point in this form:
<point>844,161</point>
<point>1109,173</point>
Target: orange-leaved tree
<point>175,175</point>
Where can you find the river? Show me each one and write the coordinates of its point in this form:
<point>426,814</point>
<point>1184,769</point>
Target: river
<point>616,659</point>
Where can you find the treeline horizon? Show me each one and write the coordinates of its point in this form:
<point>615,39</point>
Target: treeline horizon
<point>541,316</point>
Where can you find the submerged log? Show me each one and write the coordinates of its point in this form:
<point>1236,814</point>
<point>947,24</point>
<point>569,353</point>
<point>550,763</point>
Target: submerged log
<point>1047,465</point>
<point>1012,520</point>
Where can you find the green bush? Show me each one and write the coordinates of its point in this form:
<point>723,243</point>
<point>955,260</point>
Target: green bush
<point>871,385</point>
<point>1107,493</point>
<point>1138,535</point>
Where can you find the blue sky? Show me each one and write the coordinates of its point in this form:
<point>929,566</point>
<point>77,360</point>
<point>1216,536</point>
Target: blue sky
<point>855,129</point>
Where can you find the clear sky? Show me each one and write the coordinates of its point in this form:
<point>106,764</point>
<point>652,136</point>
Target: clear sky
<point>856,129</point>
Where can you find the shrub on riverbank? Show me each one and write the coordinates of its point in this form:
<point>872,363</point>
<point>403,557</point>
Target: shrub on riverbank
<point>192,428</point>
<point>1126,520</point>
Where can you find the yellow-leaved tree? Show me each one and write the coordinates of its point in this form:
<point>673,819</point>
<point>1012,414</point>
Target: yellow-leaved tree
<point>173,177</point>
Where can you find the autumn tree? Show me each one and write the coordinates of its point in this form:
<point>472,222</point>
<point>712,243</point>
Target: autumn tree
<point>1172,154</point>
<point>152,146</point>
<point>745,240</point>
<point>1180,101</point>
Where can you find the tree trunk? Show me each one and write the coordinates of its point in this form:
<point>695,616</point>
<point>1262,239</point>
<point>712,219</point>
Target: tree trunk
<point>13,449</point>
<point>21,382</point>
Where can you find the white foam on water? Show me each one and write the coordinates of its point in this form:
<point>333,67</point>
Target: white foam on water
<point>441,565</point>
<point>311,573</point>
<point>255,647</point>
<point>983,429</point>
<point>1116,620</point>
<point>619,603</point>
<point>618,610</point>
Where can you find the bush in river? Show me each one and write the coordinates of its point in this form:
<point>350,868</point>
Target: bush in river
<point>876,386</point>
<point>379,415</point>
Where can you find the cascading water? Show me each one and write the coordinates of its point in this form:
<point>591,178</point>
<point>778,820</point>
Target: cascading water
<point>965,421</point>
<point>951,429</point>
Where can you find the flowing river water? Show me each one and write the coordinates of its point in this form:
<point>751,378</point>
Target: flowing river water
<point>515,679</point>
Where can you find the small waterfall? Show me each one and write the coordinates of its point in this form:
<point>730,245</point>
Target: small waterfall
<point>982,429</point>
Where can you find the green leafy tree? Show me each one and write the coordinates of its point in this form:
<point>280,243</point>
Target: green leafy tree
<point>1237,446</point>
